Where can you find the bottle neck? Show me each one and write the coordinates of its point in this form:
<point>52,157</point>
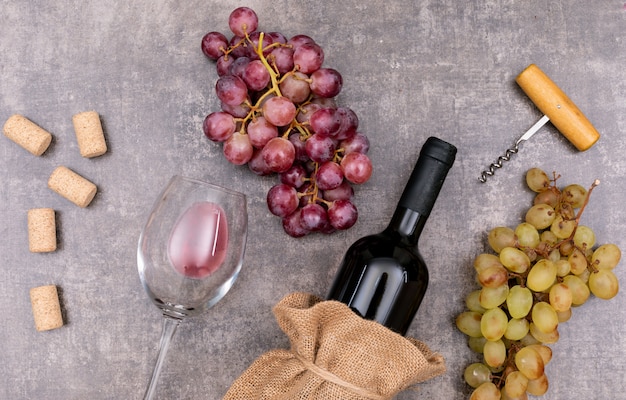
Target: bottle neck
<point>408,224</point>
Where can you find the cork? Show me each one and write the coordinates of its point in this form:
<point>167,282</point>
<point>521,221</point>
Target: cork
<point>27,134</point>
<point>46,308</point>
<point>42,236</point>
<point>89,134</point>
<point>72,186</point>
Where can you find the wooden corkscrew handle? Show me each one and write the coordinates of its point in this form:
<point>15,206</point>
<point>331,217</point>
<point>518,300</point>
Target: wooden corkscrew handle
<point>555,104</point>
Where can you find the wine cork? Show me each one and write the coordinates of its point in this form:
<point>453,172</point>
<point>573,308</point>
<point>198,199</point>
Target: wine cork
<point>72,186</point>
<point>42,236</point>
<point>89,134</point>
<point>27,134</point>
<point>46,308</point>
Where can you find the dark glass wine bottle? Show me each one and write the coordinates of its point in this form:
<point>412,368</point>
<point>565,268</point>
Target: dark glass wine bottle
<point>383,277</point>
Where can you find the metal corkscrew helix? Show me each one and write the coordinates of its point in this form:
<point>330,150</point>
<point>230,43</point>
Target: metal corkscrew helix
<point>557,108</point>
<point>513,150</point>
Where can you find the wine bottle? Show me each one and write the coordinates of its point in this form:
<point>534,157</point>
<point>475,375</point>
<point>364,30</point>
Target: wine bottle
<point>383,277</point>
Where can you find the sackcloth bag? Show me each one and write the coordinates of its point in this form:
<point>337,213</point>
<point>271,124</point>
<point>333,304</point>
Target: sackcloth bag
<point>334,354</point>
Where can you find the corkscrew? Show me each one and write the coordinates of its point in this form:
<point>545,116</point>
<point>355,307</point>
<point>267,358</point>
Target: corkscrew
<point>557,108</point>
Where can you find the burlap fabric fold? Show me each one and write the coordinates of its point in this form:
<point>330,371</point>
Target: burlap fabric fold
<point>334,354</point>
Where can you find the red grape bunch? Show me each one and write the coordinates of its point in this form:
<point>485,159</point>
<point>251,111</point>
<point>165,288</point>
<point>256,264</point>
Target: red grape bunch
<point>279,116</point>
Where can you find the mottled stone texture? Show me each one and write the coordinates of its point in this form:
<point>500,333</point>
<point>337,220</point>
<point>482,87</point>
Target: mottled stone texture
<point>411,69</point>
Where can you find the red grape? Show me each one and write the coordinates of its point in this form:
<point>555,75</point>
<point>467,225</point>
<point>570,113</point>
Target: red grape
<point>294,176</point>
<point>257,164</point>
<point>231,90</point>
<point>242,21</point>
<point>237,149</point>
<point>341,192</point>
<point>266,46</point>
<point>223,65</point>
<point>308,57</point>
<point>214,44</point>
<point>356,167</point>
<point>326,82</point>
<point>325,121</point>
<point>279,154</point>
<point>219,126</point>
<point>282,200</point>
<point>282,57</point>
<point>279,111</point>
<point>292,224</point>
<point>313,217</point>
<point>349,123</point>
<point>295,87</point>
<point>342,214</point>
<point>256,76</point>
<point>329,176</point>
<point>261,132</point>
<point>358,143</point>
<point>320,148</point>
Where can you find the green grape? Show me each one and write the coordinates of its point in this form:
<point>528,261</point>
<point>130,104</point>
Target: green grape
<point>472,302</point>
<point>529,362</point>
<point>505,396</point>
<point>501,237</point>
<point>476,374</point>
<point>519,301</point>
<point>548,237</point>
<point>560,297</point>
<point>494,353</point>
<point>544,317</point>
<point>476,344</point>
<point>529,340</point>
<point>563,267</point>
<point>485,260</point>
<point>493,276</point>
<point>514,260</point>
<point>564,316</point>
<point>486,391</point>
<point>550,197</point>
<point>541,216</point>
<point>606,256</point>
<point>584,237</point>
<point>539,386</point>
<point>542,337</point>
<point>577,261</point>
<point>515,384</point>
<point>541,276</point>
<point>575,195</point>
<point>580,290</point>
<point>537,180</point>
<point>584,276</point>
<point>468,322</point>
<point>527,235</point>
<point>517,328</point>
<point>566,247</point>
<point>493,324</point>
<point>492,297</point>
<point>604,284</point>
<point>562,228</point>
<point>544,351</point>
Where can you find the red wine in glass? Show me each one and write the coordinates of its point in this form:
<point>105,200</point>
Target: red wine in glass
<point>199,240</point>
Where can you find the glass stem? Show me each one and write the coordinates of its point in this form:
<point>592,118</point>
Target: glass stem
<point>167,333</point>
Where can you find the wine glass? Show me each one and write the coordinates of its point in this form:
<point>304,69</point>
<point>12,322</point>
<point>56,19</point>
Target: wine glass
<point>190,253</point>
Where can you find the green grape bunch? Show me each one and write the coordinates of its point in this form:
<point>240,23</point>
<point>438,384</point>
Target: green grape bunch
<point>543,268</point>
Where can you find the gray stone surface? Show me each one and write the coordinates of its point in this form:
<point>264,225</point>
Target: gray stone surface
<point>411,69</point>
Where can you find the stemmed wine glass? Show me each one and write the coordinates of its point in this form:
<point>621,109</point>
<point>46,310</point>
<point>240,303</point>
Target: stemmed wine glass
<point>190,253</point>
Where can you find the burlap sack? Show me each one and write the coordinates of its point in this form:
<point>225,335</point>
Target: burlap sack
<point>334,354</point>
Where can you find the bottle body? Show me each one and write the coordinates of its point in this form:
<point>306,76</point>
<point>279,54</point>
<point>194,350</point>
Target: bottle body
<point>383,277</point>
